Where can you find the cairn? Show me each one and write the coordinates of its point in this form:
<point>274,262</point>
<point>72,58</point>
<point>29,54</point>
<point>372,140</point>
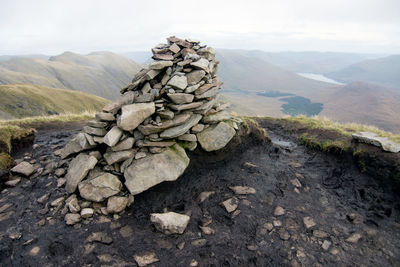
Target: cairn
<point>141,138</point>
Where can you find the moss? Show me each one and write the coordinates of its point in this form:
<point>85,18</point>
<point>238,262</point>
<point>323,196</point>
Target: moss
<point>362,166</point>
<point>5,161</point>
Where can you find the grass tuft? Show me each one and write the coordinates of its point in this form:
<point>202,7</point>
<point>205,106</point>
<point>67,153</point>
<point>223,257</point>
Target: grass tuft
<point>5,161</point>
<point>346,129</point>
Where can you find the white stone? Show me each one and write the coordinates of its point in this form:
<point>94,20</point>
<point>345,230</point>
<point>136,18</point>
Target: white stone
<point>170,222</point>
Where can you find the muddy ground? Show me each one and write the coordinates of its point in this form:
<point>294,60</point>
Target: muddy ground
<point>356,218</point>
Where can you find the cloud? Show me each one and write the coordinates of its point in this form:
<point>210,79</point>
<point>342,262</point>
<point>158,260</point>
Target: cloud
<point>48,26</point>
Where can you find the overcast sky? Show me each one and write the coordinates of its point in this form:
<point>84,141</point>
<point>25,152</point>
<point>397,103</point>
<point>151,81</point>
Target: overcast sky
<point>54,26</point>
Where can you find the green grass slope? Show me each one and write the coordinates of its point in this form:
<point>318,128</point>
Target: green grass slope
<point>99,73</point>
<point>26,100</point>
<point>383,71</point>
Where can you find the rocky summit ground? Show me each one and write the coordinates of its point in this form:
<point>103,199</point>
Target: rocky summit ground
<point>297,208</point>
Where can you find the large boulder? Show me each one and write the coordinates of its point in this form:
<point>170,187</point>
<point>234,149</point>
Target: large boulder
<point>135,114</point>
<point>100,188</point>
<point>77,171</point>
<point>376,140</point>
<point>170,222</point>
<point>154,169</point>
<point>216,137</point>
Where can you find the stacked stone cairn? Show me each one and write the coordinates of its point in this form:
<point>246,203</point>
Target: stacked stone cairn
<point>139,140</point>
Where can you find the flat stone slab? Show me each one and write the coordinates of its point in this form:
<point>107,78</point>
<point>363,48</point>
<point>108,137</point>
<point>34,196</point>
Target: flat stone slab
<point>216,117</point>
<point>181,129</point>
<point>216,137</point>
<point>378,141</point>
<point>154,169</point>
<point>24,168</point>
<point>134,114</point>
<point>78,169</point>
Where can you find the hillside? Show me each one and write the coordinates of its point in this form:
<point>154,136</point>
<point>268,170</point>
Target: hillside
<point>23,100</point>
<point>249,74</point>
<point>364,103</point>
<point>309,61</point>
<point>99,73</point>
<point>384,71</point>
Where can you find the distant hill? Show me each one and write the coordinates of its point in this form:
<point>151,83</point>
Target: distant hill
<point>364,103</point>
<point>140,57</point>
<point>249,74</point>
<point>310,61</point>
<point>99,73</point>
<point>384,71</point>
<point>23,100</point>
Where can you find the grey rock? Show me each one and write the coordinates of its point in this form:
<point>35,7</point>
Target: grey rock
<point>113,136</point>
<point>158,144</point>
<point>216,137</point>
<point>170,222</point>
<point>376,140</point>
<point>161,64</point>
<point>354,238</point>
<point>24,168</point>
<point>217,117</point>
<point>188,137</point>
<point>243,190</point>
<point>116,204</point>
<point>77,144</point>
<point>166,114</point>
<point>195,77</point>
<point>100,188</point>
<point>94,131</point>
<point>146,88</point>
<point>90,140</point>
<point>78,169</point>
<point>114,157</point>
<point>181,98</point>
<point>210,93</point>
<point>174,48</point>
<point>202,64</point>
<point>178,82</point>
<point>152,129</point>
<point>100,237</point>
<point>186,106</point>
<point>72,218</point>
<point>87,213</point>
<point>73,204</point>
<point>140,155</point>
<point>163,57</point>
<point>103,116</point>
<point>230,204</point>
<point>146,97</point>
<point>156,168</point>
<point>124,145</point>
<point>192,88</point>
<point>198,128</point>
<point>134,114</point>
<point>181,129</point>
<point>279,211</point>
<point>125,99</point>
<point>145,258</point>
<point>97,124</point>
<point>151,74</point>
<point>309,222</point>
